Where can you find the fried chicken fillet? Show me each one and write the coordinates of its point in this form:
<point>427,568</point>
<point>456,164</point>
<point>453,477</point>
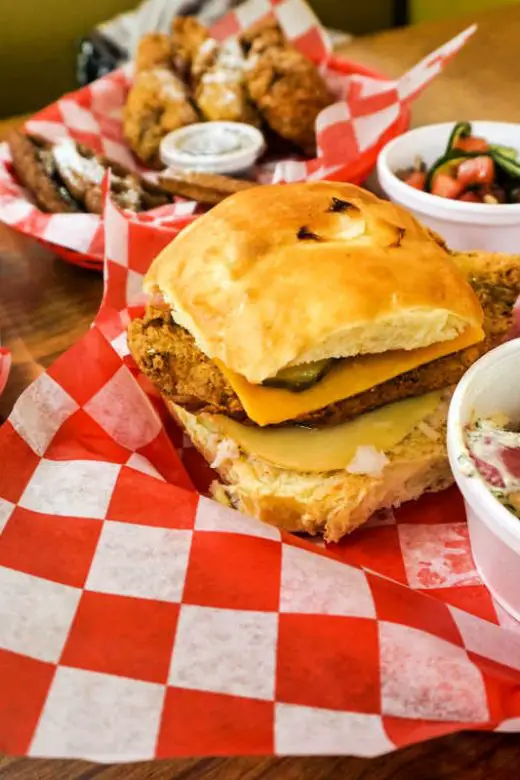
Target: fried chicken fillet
<point>154,51</point>
<point>215,72</point>
<point>158,101</point>
<point>168,355</point>
<point>285,86</point>
<point>186,38</point>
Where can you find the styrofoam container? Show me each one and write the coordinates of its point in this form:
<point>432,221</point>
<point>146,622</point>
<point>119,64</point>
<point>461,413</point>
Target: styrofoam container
<point>490,386</point>
<point>464,226</point>
<point>213,147</point>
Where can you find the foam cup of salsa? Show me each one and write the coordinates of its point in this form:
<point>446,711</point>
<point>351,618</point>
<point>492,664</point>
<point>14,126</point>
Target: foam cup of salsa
<point>462,179</point>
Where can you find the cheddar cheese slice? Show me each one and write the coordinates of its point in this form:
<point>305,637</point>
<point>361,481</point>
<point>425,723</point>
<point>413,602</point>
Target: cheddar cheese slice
<point>328,449</point>
<point>271,405</point>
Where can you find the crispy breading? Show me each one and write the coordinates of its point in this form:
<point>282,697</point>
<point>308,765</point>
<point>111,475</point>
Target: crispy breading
<point>219,82</point>
<point>215,72</point>
<point>157,103</point>
<point>153,51</point>
<point>262,35</point>
<point>168,355</point>
<point>285,86</point>
<point>187,36</point>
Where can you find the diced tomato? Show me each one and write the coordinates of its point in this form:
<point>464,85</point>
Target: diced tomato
<point>476,170</point>
<point>470,197</point>
<point>511,460</point>
<point>488,472</point>
<point>472,144</point>
<point>446,186</point>
<point>416,179</point>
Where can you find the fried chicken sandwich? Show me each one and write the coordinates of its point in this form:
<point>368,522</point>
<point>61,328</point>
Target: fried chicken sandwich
<point>307,337</point>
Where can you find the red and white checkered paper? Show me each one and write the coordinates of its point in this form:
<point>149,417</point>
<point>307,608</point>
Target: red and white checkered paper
<point>5,366</point>
<point>350,133</point>
<point>140,619</point>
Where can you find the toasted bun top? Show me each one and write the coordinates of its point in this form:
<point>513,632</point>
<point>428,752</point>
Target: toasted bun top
<point>287,274</point>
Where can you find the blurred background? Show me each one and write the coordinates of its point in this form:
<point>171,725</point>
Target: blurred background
<point>39,42</point>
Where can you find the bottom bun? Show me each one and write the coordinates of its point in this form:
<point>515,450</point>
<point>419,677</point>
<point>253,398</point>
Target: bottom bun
<point>330,503</point>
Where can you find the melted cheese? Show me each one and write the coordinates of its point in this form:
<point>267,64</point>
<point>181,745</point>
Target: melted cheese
<point>329,449</point>
<point>270,405</point>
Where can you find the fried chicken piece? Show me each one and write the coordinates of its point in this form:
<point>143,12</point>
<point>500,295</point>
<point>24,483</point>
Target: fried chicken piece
<point>262,35</point>
<point>157,103</point>
<point>168,355</point>
<point>219,79</point>
<point>187,37</point>
<point>154,51</point>
<point>214,71</point>
<point>287,90</point>
<point>35,167</point>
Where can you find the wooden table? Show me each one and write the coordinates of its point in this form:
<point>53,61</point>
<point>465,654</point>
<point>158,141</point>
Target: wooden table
<point>46,305</point>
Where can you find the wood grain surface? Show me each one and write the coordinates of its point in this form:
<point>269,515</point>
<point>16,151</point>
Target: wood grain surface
<point>46,305</point>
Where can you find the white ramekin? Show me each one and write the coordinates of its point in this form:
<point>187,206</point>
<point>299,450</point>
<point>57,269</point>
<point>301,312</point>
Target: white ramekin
<point>222,147</point>
<point>464,226</point>
<point>491,385</point>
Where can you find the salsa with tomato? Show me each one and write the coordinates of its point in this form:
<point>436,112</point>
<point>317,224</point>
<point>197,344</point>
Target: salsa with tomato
<point>471,169</point>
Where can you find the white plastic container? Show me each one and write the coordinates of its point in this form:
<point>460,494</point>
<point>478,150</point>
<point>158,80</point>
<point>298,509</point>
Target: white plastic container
<point>213,147</point>
<point>464,226</point>
<point>491,385</point>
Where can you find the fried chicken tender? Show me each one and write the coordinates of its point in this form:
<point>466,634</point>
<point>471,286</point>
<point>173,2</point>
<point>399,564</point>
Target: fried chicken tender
<point>289,93</point>
<point>187,37</point>
<point>158,101</point>
<point>154,51</point>
<point>168,355</point>
<point>215,72</point>
<point>218,73</point>
<point>262,35</point>
<point>285,86</point>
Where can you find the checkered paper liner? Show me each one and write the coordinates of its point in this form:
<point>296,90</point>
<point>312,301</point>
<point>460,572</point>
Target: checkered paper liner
<point>5,366</point>
<point>140,619</point>
<point>350,133</point>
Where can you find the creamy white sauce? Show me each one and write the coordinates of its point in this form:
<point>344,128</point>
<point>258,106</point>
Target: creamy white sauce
<point>213,141</point>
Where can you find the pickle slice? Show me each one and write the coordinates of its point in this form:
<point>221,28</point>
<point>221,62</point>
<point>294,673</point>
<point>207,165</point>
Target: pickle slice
<point>298,378</point>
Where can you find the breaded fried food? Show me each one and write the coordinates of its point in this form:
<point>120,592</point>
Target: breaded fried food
<point>205,188</point>
<point>287,89</point>
<point>168,355</point>
<point>157,103</point>
<point>214,71</point>
<point>262,35</point>
<point>219,82</point>
<point>35,167</point>
<point>154,51</point>
<point>187,36</point>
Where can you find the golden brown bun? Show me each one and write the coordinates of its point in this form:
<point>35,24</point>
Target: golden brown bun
<point>330,503</point>
<point>286,274</point>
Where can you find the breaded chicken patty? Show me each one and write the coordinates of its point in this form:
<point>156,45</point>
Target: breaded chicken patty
<point>168,355</point>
